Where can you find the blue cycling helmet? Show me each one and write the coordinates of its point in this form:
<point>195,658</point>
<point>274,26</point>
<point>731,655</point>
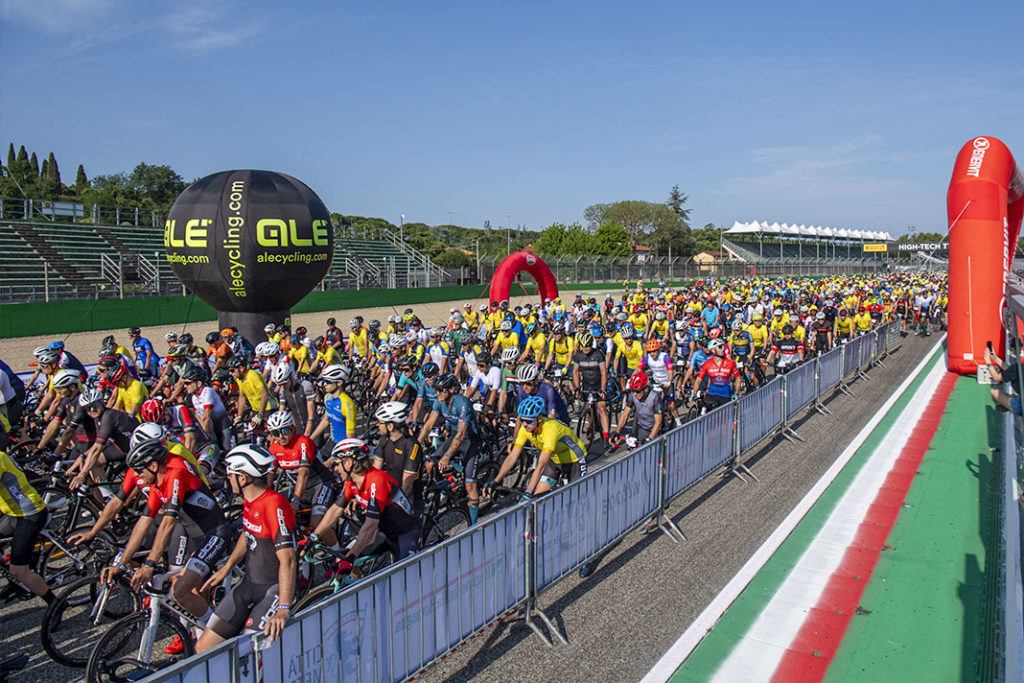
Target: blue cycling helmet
<point>56,345</point>
<point>531,407</point>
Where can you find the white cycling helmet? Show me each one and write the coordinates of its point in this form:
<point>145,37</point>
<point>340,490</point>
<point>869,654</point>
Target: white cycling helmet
<point>65,378</point>
<point>335,373</point>
<point>282,419</point>
<point>89,396</point>
<point>147,431</point>
<point>483,308</point>
<point>48,356</point>
<point>506,325</point>
<point>392,411</point>
<point>510,355</point>
<point>396,340</point>
<point>659,316</point>
<point>268,348</point>
<point>437,332</point>
<point>680,325</point>
<point>528,373</point>
<point>40,349</point>
<point>282,373</point>
<point>249,459</point>
<point>351,448</point>
<point>411,337</point>
<point>269,328</point>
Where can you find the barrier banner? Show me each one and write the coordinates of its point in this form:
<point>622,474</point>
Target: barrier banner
<point>718,441</point>
<point>867,349</point>
<point>576,521</point>
<point>851,357</point>
<point>799,388</point>
<point>830,370</point>
<point>682,457</point>
<point>759,414</point>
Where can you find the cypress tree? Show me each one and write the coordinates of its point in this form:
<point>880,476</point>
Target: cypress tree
<point>22,154</point>
<point>44,171</point>
<point>10,155</point>
<point>33,163</point>
<point>52,172</point>
<point>81,181</point>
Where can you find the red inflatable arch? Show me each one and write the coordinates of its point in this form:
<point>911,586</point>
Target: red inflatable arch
<point>514,264</point>
<point>984,205</point>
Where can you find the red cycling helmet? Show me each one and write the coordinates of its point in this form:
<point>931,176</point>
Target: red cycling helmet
<point>114,375</point>
<point>715,332</point>
<point>639,381</point>
<point>152,410</point>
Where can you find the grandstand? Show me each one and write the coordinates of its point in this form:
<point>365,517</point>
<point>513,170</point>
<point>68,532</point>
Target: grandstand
<point>42,260</point>
<point>778,243</point>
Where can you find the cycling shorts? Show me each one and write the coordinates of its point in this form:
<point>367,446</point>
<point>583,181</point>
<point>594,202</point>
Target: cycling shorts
<point>468,453</point>
<point>25,531</point>
<point>572,471</point>
<point>318,498</point>
<point>247,606</point>
<point>214,548</point>
<point>712,401</point>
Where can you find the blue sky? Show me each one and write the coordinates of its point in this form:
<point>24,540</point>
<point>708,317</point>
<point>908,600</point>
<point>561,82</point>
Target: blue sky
<point>819,113</point>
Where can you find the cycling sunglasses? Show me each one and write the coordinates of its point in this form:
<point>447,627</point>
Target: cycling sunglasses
<point>529,422</point>
<point>278,432</point>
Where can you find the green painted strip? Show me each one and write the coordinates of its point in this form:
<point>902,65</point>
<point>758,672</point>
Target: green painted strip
<point>931,598</point>
<point>713,650</point>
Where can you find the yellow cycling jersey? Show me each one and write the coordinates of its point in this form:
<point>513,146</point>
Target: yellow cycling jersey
<point>563,350</point>
<point>494,320</point>
<point>759,335</point>
<point>471,319</point>
<point>133,396</point>
<point>178,449</point>
<point>639,321</point>
<point>799,333</point>
<point>506,339</point>
<point>251,386</point>
<point>328,356</point>
<point>863,321</point>
<point>632,351</point>
<point>660,328</point>
<point>300,354</point>
<point>17,497</point>
<point>554,438</point>
<point>358,342</point>
<point>537,343</point>
<point>844,325</point>
<point>778,324</point>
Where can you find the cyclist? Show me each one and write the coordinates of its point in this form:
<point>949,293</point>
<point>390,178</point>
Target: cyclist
<point>399,454</point>
<point>821,334</point>
<point>629,353</point>
<point>741,344</point>
<point>723,376</point>
<point>562,454</point>
<point>590,376</point>
<point>12,394</point>
<point>339,408</point>
<point>299,469</point>
<point>425,392</point>
<point>464,436</point>
<point>536,344</point>
<point>297,397</point>
<point>110,435</point>
<point>438,350</point>
<point>530,384</point>
<point>333,335</point>
<point>145,356</point>
<point>863,321</point>
<point>264,595</point>
<point>252,390</point>
<point>22,516</point>
<point>130,392</point>
<point>560,350</point>
<point>647,405</point>
<point>300,356</point>
<point>488,380</point>
<point>209,409</point>
<point>788,350</point>
<point>386,508</point>
<point>843,328</point>
<point>217,354</point>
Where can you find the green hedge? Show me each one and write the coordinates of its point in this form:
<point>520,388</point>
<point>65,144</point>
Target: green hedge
<point>23,320</point>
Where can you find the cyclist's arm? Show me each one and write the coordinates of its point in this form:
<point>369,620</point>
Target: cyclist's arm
<point>237,555</point>
<point>366,533</point>
<point>460,436</point>
<point>138,536</point>
<point>286,563</point>
<point>428,425</point>
<point>163,537</point>
<point>656,429</point>
<point>108,513</point>
<point>542,462</point>
<point>325,423</point>
<point>300,484</point>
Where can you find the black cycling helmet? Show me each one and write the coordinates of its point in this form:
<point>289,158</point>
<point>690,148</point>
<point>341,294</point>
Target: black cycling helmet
<point>108,350</point>
<point>212,337</point>
<point>405,363</point>
<point>236,362</point>
<point>185,338</point>
<point>320,341</point>
<point>134,330</point>
<point>145,452</point>
<point>483,358</point>
<point>108,340</point>
<point>787,329</point>
<point>331,322</point>
<point>430,370</point>
<point>193,373</point>
<point>446,381</point>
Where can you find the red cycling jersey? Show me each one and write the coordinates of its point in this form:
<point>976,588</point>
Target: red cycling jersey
<point>382,499</point>
<point>300,452</point>
<point>720,371</point>
<point>131,478</point>
<point>182,495</point>
<point>269,524</point>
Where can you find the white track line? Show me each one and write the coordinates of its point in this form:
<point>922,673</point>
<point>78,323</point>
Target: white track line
<point>688,641</point>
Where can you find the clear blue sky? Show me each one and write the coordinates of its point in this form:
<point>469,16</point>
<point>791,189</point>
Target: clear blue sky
<point>820,113</point>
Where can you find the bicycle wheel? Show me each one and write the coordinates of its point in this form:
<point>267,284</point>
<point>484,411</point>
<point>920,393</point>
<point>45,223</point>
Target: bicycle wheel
<point>61,566</point>
<point>445,525</point>
<point>115,659</point>
<point>315,595</point>
<point>69,626</point>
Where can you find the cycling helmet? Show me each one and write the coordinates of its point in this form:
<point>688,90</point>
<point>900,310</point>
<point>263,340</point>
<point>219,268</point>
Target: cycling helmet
<point>109,350</point>
<point>147,431</point>
<point>134,330</point>
<point>152,410</point>
<point>56,345</point>
<point>405,363</point>
<point>510,355</point>
<point>531,328</point>
<point>267,349</point>
<point>212,338</point>
<point>446,381</point>
<point>627,332</point>
<point>737,325</point>
<point>392,411</point>
<point>787,329</point>
<point>639,381</point>
<point>185,338</point>
<point>320,342</point>
<point>301,331</point>
<point>528,373</point>
<point>659,316</point>
<point>335,373</point>
<point>92,396</point>
<point>531,407</point>
<point>282,373</point>
<point>255,461</point>
<point>621,317</point>
<point>109,340</point>
<point>483,308</point>
<point>779,311</point>
<point>193,373</point>
<point>146,452</point>
<point>236,362</point>
<point>483,358</point>
<point>715,332</point>
<point>331,322</point>
<point>411,337</point>
<point>457,318</point>
<point>506,325</point>
<point>716,344</point>
<point>396,340</point>
<point>177,351</point>
<point>115,374</point>
<point>270,328</point>
<point>353,324</point>
<point>436,331</point>
<point>351,448</point>
<point>282,419</point>
<point>467,340</point>
<point>652,345</point>
<point>48,357</point>
<point>170,337</point>
<point>820,315</point>
<point>503,305</point>
<point>586,340</point>
<point>680,325</point>
<point>430,369</point>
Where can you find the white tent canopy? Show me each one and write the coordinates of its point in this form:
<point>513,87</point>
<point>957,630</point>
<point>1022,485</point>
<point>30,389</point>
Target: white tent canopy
<point>763,227</point>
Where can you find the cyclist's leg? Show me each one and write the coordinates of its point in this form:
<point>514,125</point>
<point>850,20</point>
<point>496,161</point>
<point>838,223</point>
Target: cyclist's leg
<point>25,532</point>
<point>469,451</point>
<point>198,568</point>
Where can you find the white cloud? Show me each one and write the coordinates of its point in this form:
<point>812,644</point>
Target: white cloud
<point>208,26</point>
<point>54,16</point>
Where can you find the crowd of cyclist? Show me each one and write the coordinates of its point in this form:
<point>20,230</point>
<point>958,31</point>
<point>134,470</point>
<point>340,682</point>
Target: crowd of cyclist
<point>309,432</point>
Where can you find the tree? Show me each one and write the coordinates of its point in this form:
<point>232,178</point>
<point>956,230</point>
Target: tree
<point>52,172</point>
<point>33,163</point>
<point>155,186</point>
<point>707,238</point>
<point>641,218</point>
<point>22,154</point>
<point>611,239</point>
<point>454,258</point>
<point>81,180</point>
<point>676,199</point>
<point>43,168</point>
<point>10,155</point>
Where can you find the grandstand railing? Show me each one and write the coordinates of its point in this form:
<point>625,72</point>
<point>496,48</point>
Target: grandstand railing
<point>53,210</point>
<point>392,625</point>
<point>1010,598</point>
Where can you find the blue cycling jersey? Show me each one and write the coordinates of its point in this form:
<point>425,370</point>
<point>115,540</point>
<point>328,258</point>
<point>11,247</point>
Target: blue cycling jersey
<point>551,398</point>
<point>143,351</point>
<point>425,391</point>
<point>698,358</point>
<point>460,410</point>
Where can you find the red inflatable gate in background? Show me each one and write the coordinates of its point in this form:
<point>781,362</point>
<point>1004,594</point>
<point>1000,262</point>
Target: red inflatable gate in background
<point>984,205</point>
<point>501,283</point>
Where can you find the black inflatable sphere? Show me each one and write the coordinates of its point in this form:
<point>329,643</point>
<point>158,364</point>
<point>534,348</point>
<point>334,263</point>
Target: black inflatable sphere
<point>249,242</point>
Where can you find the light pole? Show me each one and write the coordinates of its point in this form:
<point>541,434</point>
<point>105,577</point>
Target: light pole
<point>508,234</point>
<point>401,228</point>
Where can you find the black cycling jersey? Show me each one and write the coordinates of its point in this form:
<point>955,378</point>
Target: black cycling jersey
<point>295,400</point>
<point>116,427</point>
<point>401,456</point>
<point>831,313</point>
<point>589,364</point>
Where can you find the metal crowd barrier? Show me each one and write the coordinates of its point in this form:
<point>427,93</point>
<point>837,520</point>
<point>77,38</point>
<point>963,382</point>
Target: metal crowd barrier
<point>395,623</point>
